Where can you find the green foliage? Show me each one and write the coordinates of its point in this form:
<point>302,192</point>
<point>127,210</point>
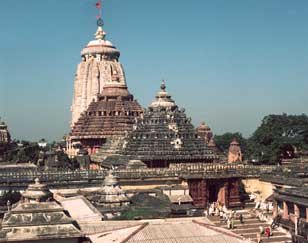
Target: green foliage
<point>278,136</point>
<point>11,196</point>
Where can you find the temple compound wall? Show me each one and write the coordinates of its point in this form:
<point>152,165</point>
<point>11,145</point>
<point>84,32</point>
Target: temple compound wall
<point>259,188</point>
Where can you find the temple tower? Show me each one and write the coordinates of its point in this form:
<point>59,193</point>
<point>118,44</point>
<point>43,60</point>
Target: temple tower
<point>99,67</point>
<point>164,137</point>
<point>5,137</point>
<point>103,108</point>
<point>235,153</point>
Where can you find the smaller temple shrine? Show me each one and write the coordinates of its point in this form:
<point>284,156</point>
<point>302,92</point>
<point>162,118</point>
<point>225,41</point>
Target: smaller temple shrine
<point>38,218</point>
<point>110,199</point>
<point>205,132</point>
<point>5,139</point>
<point>235,153</point>
<point>5,136</point>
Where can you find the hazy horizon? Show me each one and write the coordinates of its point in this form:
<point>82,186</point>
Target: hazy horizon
<point>227,64</point>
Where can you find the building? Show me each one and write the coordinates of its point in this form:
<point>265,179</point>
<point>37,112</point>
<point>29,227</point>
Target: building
<point>38,218</point>
<point>180,230</point>
<point>205,132</point>
<point>291,211</point>
<point>5,136</point>
<point>99,65</point>
<point>164,137</point>
<point>110,199</point>
<point>235,153</point>
<point>5,139</point>
<point>102,105</point>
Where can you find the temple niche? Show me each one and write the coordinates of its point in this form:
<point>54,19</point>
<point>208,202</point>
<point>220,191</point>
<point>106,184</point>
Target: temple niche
<point>38,218</point>
<point>235,153</point>
<point>102,108</point>
<point>164,137</point>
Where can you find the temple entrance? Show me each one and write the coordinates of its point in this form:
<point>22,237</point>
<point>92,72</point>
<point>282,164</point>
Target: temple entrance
<point>213,193</point>
<point>216,192</point>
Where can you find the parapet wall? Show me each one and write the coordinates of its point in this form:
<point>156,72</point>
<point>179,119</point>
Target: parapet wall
<point>259,188</point>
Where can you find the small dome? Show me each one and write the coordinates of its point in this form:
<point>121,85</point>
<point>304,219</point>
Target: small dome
<point>101,46</point>
<point>110,180</point>
<point>37,192</point>
<point>163,99</point>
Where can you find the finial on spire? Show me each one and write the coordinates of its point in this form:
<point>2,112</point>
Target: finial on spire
<point>163,85</point>
<point>100,34</point>
<point>99,5</point>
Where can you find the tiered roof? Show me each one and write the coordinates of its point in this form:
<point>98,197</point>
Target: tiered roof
<point>165,135</point>
<point>112,115</point>
<point>37,217</point>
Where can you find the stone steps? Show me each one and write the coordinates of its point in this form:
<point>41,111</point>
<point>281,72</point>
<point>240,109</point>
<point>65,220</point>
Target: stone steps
<point>250,228</point>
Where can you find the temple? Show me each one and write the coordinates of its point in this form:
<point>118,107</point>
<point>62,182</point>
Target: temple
<point>205,132</point>
<point>235,153</point>
<point>5,139</point>
<point>5,136</point>
<point>102,105</point>
<point>38,218</point>
<point>164,137</point>
<point>110,199</point>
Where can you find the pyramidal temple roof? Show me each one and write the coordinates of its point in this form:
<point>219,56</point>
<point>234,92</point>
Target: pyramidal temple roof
<point>37,217</point>
<point>165,135</point>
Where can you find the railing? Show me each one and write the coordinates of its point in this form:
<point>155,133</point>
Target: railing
<point>91,176</point>
<point>56,176</point>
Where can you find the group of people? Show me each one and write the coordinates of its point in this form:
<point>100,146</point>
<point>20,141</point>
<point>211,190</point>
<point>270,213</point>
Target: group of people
<point>225,215</point>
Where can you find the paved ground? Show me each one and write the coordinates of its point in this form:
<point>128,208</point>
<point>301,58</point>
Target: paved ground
<point>250,228</point>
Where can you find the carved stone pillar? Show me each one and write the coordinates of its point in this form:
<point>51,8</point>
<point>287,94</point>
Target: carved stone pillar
<point>296,211</point>
<point>221,197</point>
<point>275,208</point>
<point>234,193</point>
<point>285,210</point>
<point>226,187</point>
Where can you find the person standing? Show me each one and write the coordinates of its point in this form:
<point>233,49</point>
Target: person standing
<point>268,232</point>
<point>241,218</point>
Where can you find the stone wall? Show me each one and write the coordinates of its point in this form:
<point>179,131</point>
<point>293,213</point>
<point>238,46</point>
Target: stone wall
<point>262,189</point>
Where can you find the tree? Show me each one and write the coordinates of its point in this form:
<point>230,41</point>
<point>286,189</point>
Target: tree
<point>278,137</point>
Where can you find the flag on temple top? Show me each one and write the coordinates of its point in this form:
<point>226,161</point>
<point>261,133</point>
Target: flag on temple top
<point>98,4</point>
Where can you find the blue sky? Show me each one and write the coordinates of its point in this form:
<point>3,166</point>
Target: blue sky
<point>228,63</point>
